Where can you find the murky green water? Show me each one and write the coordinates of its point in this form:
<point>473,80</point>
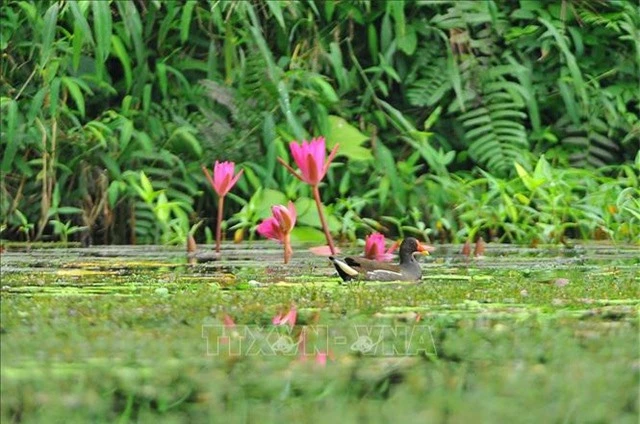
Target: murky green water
<point>117,269</point>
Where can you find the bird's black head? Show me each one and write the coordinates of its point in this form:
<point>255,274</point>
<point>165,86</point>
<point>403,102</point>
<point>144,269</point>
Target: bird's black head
<point>408,247</point>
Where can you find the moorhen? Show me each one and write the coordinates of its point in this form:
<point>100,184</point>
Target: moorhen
<point>358,268</point>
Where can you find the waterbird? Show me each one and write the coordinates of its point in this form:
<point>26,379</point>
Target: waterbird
<point>359,268</point>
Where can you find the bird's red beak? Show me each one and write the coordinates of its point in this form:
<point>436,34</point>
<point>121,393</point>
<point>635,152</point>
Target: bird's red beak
<point>423,249</point>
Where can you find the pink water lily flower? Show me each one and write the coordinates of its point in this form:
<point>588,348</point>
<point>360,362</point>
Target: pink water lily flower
<point>310,158</point>
<point>228,321</point>
<point>223,179</point>
<point>270,228</point>
<point>286,319</point>
<point>286,216</point>
<point>374,248</point>
<point>278,227</point>
<point>319,357</point>
<point>230,326</point>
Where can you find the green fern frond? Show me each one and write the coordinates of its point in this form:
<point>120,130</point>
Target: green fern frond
<point>494,129</point>
<point>432,86</point>
<point>589,143</point>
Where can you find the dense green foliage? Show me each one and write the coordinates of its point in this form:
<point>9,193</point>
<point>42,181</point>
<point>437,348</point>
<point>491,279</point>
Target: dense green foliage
<point>442,110</point>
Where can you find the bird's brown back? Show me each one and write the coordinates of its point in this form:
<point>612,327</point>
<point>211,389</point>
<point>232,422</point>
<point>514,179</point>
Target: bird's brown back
<point>364,264</point>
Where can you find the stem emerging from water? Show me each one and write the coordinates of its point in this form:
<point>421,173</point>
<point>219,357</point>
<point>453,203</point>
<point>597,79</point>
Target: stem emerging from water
<point>288,251</point>
<point>219,223</point>
<point>325,227</point>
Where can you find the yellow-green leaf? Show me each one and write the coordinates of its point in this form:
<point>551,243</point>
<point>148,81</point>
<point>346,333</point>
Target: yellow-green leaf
<point>349,138</point>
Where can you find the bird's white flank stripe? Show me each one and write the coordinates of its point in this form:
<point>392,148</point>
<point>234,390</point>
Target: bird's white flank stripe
<point>346,268</point>
<point>384,274</point>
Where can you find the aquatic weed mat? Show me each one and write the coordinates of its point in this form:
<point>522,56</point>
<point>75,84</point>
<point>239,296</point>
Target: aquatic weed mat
<point>135,334</point>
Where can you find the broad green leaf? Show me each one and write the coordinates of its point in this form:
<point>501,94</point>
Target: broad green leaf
<point>161,72</point>
<point>55,199</point>
<point>145,183</point>
<point>569,102</point>
<point>163,208</point>
<point>397,9</point>
<point>75,92</point>
<point>251,178</point>
<point>329,7</point>
<point>111,165</point>
<point>327,90</point>
<point>335,56</point>
<point>184,140</point>
<point>543,170</point>
<point>126,132</point>
<point>285,107</point>
<point>420,142</point>
<point>511,209</point>
<point>276,10</point>
<point>35,108</point>
<point>49,31</point>
<point>228,49</point>
<point>397,118</point>
<point>307,235</point>
<point>185,19</point>
<point>386,33</point>
<point>383,190</point>
<point>433,118</point>
<point>81,33</point>
<point>102,28</point>
<point>344,186</point>
<point>372,35</point>
<point>408,42</point>
<point>179,76</point>
<point>522,198</point>
<point>266,199</point>
<point>69,210</point>
<point>308,214</point>
<point>385,158</point>
<point>146,98</point>
<point>77,44</point>
<point>572,64</point>
<point>10,133</point>
<point>270,142</point>
<point>258,38</point>
<point>522,173</point>
<point>529,181</point>
<point>81,21</point>
<point>29,9</point>
<point>133,26</point>
<point>349,138</point>
<point>212,60</point>
<point>122,54</point>
<point>54,96</point>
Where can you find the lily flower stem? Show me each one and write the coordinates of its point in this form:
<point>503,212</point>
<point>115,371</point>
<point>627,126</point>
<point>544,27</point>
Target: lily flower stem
<point>288,251</point>
<point>325,227</point>
<point>219,223</point>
